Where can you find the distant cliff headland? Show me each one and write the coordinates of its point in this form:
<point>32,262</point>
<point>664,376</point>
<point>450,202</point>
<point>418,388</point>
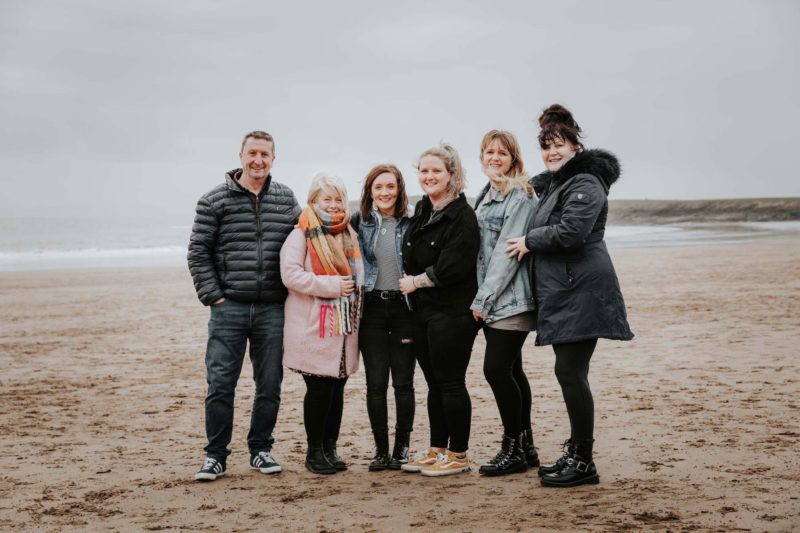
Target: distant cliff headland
<point>635,212</point>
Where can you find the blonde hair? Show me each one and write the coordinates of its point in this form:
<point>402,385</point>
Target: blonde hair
<point>517,177</point>
<point>452,163</point>
<point>322,180</point>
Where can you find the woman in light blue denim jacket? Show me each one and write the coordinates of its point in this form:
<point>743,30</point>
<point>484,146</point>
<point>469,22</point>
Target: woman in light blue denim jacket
<point>505,301</point>
<point>386,332</point>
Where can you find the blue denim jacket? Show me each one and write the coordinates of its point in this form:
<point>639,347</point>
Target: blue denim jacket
<point>368,236</point>
<point>504,284</point>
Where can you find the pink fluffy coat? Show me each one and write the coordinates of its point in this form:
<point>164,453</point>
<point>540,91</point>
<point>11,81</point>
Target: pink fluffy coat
<point>304,350</point>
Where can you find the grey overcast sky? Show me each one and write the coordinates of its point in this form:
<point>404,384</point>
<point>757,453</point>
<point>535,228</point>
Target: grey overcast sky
<point>122,108</point>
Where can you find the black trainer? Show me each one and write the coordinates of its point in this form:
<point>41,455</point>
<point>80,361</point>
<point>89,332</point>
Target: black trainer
<point>576,472</point>
<point>211,470</point>
<point>264,463</point>
<point>560,463</point>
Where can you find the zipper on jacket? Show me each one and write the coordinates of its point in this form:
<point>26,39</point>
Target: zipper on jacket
<point>260,273</point>
<point>570,276</point>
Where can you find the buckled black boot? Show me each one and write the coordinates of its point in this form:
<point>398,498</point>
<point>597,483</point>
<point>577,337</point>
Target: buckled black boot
<point>531,455</point>
<point>316,461</point>
<point>329,447</point>
<point>400,452</point>
<point>577,471</point>
<point>510,460</point>
<point>561,462</point>
<point>381,459</point>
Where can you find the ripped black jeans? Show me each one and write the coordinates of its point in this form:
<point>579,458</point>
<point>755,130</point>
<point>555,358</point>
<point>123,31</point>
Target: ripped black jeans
<point>386,339</point>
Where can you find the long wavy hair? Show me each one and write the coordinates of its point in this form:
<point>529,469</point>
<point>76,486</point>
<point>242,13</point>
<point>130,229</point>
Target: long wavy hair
<point>401,203</point>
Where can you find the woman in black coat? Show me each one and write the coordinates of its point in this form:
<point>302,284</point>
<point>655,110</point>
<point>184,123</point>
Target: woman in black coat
<point>576,288</point>
<point>440,256</point>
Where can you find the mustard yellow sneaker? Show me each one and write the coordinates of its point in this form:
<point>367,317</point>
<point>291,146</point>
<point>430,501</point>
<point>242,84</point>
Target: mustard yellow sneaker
<point>446,464</point>
<point>426,458</point>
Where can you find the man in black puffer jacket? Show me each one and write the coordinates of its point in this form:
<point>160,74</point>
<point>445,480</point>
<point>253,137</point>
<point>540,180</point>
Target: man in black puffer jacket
<point>238,232</point>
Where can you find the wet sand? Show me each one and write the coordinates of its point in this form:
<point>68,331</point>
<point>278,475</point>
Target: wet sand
<point>101,414</point>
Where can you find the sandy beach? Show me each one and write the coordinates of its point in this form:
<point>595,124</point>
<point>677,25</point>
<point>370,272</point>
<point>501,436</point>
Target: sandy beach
<point>103,380</point>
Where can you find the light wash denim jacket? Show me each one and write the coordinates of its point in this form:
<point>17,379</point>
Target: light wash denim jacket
<point>368,236</point>
<point>504,285</point>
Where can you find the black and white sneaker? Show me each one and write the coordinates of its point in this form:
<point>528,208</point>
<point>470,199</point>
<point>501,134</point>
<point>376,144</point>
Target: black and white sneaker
<point>265,463</point>
<point>211,470</point>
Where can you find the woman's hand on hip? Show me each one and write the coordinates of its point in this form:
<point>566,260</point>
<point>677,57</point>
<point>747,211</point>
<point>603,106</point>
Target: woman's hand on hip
<point>516,248</point>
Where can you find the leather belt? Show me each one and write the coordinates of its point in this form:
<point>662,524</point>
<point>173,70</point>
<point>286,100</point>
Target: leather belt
<point>385,295</point>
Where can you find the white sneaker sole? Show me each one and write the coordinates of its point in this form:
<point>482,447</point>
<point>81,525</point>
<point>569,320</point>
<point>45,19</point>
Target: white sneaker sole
<point>269,470</point>
<point>436,473</point>
<point>202,476</point>
<point>411,468</point>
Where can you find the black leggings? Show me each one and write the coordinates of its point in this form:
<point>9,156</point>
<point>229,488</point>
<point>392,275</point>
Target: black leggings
<point>502,367</point>
<point>572,371</point>
<point>445,346</point>
<point>322,408</point>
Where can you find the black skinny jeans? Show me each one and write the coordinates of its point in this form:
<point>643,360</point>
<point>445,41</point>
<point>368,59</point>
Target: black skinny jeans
<point>572,371</point>
<point>386,339</point>
<point>322,408</point>
<point>502,367</point>
<point>445,345</point>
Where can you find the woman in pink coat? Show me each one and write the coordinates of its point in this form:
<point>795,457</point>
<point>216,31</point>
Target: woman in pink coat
<point>321,266</point>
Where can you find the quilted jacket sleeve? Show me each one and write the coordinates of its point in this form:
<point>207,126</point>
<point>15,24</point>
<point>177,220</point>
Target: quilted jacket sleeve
<point>202,244</point>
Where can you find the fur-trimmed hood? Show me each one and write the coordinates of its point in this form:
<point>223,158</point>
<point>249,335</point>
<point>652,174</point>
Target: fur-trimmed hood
<point>599,163</point>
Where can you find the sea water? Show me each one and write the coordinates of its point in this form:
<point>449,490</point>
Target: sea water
<point>55,243</point>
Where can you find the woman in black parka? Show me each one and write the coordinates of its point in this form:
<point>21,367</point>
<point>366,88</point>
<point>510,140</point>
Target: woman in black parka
<point>576,288</point>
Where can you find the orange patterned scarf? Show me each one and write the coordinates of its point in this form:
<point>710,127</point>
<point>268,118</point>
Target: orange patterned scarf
<point>332,247</point>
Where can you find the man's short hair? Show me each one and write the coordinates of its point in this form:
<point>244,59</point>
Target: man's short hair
<point>258,134</point>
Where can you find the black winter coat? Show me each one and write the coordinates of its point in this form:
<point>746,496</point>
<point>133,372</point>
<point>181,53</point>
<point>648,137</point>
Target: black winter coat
<point>576,288</point>
<point>445,248</point>
<point>236,240</point>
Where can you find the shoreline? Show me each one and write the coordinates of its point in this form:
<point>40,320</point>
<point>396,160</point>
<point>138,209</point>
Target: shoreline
<point>101,407</point>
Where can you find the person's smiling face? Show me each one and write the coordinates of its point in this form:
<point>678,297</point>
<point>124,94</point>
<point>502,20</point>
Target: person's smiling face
<point>557,152</point>
<point>433,177</point>
<point>496,159</point>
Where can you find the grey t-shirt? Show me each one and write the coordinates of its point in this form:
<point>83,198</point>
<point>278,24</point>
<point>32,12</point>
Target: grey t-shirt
<point>386,257</point>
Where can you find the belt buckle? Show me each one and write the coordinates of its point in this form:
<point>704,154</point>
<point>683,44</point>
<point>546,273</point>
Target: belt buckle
<point>385,295</point>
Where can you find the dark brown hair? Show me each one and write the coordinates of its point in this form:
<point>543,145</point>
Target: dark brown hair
<point>556,122</point>
<point>401,203</point>
<point>257,134</point>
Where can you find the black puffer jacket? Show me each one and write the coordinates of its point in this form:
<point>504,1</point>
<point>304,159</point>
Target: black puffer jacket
<point>576,288</point>
<point>236,240</point>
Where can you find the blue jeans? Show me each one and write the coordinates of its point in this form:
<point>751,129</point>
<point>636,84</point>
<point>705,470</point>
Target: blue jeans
<point>231,326</point>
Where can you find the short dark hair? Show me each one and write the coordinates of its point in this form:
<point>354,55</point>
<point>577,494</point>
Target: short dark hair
<point>258,134</point>
<point>556,122</point>
<point>400,205</point>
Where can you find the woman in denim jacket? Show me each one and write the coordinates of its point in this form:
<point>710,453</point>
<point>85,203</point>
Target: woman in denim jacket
<point>386,334</point>
<point>505,301</point>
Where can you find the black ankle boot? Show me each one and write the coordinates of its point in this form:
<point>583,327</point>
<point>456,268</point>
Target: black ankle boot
<point>316,461</point>
<point>381,459</point>
<point>577,471</point>
<point>531,455</point>
<point>400,451</point>
<point>510,460</point>
<point>329,447</point>
<point>560,463</point>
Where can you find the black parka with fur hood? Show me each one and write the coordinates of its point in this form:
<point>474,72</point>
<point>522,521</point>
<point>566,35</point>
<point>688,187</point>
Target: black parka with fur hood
<point>236,241</point>
<point>576,287</point>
